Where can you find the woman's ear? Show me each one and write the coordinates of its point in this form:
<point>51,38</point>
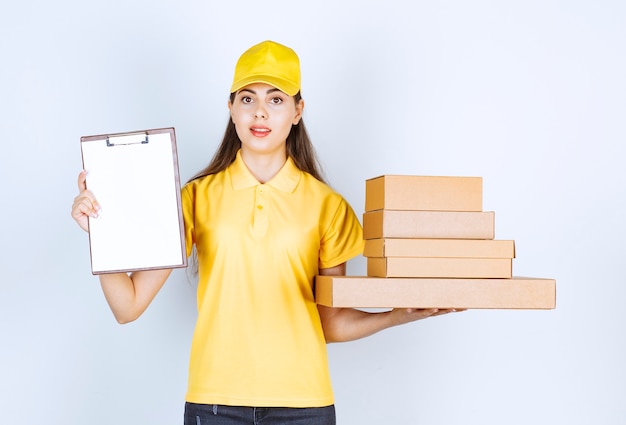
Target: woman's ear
<point>299,111</point>
<point>230,109</point>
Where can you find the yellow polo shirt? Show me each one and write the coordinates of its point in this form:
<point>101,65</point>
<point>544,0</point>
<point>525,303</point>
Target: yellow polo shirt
<point>258,340</point>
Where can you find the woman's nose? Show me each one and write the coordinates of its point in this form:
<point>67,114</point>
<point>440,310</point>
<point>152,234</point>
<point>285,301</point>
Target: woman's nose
<point>260,113</point>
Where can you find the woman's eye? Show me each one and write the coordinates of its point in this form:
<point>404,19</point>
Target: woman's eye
<point>276,100</point>
<point>246,99</point>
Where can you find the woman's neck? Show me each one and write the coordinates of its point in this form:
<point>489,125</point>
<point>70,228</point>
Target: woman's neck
<point>264,166</point>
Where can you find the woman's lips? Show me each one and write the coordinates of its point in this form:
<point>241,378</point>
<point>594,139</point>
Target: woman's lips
<point>260,131</point>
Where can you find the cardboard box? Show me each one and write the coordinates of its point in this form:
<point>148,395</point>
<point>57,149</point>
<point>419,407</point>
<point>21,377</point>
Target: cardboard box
<point>459,248</point>
<point>372,292</point>
<point>440,267</point>
<point>425,193</point>
<point>429,224</point>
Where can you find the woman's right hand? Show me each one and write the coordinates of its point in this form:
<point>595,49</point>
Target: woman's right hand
<point>85,204</point>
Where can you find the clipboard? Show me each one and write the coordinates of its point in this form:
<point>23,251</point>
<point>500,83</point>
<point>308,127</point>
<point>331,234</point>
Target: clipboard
<point>134,176</point>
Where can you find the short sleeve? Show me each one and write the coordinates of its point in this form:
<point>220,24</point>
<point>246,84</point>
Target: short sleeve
<point>188,202</point>
<point>343,235</point>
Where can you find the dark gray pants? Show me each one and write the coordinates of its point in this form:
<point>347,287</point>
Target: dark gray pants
<point>213,414</point>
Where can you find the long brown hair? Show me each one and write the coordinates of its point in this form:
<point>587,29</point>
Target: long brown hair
<point>299,149</point>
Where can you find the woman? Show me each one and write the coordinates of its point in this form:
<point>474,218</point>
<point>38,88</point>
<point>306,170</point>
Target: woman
<point>264,224</point>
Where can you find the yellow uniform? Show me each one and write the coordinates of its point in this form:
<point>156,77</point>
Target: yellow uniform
<point>258,339</point>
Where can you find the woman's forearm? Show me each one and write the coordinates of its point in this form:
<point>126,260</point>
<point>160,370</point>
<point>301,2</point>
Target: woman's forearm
<point>128,296</point>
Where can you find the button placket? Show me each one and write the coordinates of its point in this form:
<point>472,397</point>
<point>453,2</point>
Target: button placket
<point>260,211</point>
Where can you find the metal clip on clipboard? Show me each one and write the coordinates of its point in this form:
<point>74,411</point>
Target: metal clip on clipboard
<point>127,139</point>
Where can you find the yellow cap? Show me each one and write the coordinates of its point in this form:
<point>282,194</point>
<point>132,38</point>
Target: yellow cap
<point>270,63</point>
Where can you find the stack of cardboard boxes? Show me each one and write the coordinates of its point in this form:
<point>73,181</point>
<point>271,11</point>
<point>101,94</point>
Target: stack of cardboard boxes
<point>429,244</point>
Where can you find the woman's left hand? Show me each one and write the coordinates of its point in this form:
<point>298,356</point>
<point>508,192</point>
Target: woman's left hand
<point>399,316</point>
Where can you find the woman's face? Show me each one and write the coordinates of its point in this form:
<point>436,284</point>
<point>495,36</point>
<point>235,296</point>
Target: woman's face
<point>263,116</point>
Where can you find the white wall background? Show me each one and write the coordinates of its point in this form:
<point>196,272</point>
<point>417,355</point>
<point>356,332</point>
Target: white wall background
<point>530,95</point>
